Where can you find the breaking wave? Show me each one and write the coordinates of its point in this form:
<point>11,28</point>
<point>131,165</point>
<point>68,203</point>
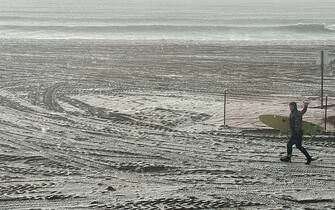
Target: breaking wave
<point>303,28</point>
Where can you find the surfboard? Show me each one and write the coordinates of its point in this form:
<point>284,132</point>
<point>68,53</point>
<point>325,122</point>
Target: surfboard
<point>282,124</point>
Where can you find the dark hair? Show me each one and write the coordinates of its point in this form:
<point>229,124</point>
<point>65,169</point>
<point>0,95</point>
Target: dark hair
<point>294,104</point>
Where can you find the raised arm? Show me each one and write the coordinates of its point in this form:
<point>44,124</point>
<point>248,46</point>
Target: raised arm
<point>304,110</point>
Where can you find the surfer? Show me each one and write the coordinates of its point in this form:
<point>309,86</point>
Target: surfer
<point>296,132</point>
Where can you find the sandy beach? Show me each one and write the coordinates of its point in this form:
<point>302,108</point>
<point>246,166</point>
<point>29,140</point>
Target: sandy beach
<point>139,125</point>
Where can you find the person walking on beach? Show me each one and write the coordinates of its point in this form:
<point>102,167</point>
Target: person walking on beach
<point>296,133</point>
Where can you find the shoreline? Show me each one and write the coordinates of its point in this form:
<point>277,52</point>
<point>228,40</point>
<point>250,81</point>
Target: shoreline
<point>183,41</point>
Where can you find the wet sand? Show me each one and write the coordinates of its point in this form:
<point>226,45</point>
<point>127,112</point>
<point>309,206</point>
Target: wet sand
<point>96,125</point>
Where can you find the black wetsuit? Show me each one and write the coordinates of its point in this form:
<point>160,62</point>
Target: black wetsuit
<point>296,132</point>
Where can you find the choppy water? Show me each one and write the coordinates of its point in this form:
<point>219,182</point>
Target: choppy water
<point>199,20</point>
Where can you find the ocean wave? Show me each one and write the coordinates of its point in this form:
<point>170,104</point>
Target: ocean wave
<point>304,28</point>
<point>331,27</point>
<point>309,27</point>
<point>70,19</point>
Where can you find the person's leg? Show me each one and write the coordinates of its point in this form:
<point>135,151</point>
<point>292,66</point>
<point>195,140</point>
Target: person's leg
<point>289,146</point>
<point>301,148</point>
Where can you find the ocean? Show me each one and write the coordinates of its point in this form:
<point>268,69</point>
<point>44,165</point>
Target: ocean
<point>170,20</point>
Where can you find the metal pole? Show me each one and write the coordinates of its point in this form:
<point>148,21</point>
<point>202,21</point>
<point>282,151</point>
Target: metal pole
<point>225,107</point>
<point>322,66</point>
<point>326,113</point>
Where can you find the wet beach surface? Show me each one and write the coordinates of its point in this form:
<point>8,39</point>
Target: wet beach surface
<point>116,125</point>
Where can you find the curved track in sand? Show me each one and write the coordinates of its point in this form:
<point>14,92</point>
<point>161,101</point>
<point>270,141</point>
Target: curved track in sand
<point>50,99</point>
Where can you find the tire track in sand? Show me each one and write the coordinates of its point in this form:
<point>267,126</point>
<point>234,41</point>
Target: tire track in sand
<point>49,97</point>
